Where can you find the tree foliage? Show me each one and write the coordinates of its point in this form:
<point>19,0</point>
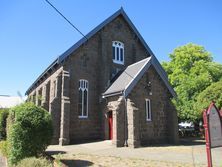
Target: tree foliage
<point>30,132</point>
<point>4,147</point>
<point>191,70</point>
<point>211,93</point>
<point>3,118</point>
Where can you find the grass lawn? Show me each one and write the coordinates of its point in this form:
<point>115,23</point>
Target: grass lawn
<point>81,160</point>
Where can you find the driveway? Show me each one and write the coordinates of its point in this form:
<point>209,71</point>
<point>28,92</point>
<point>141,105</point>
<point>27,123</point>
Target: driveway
<point>189,153</point>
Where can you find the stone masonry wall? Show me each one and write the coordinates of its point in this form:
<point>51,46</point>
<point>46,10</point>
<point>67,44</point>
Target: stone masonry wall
<point>117,106</point>
<point>172,120</point>
<point>55,107</point>
<point>155,131</point>
<point>133,124</point>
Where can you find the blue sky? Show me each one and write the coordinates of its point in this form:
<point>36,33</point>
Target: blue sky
<point>32,34</point>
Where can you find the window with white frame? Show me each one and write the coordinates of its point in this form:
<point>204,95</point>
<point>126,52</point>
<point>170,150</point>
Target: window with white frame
<point>148,109</point>
<point>83,98</point>
<point>118,52</point>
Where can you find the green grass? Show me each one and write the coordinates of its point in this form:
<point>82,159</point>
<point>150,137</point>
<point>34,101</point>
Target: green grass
<point>34,162</point>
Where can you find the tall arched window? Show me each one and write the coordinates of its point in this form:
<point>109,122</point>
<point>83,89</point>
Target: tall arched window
<point>83,98</point>
<point>118,52</point>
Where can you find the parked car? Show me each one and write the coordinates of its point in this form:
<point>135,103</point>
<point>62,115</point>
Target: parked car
<point>187,129</point>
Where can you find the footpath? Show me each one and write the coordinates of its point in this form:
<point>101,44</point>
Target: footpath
<point>2,161</point>
<point>191,153</point>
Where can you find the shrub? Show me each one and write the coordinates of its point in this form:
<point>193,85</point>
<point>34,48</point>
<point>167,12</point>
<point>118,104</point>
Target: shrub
<point>34,162</point>
<point>30,133</point>
<point>10,120</point>
<point>3,116</point>
<point>4,148</point>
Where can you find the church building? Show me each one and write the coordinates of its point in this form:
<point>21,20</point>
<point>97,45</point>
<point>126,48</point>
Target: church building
<point>108,86</point>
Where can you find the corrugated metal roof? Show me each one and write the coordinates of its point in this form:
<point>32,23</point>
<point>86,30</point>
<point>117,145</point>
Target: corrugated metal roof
<point>127,77</point>
<point>132,74</point>
<point>88,36</point>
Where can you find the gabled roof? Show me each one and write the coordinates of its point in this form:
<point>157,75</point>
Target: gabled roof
<point>67,53</point>
<point>132,74</point>
<point>99,27</point>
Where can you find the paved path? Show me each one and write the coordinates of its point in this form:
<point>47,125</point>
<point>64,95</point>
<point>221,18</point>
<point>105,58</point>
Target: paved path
<point>2,161</point>
<point>192,154</point>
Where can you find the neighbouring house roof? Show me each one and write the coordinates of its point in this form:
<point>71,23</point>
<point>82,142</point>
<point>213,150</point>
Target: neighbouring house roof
<point>67,53</point>
<point>9,101</point>
<point>132,74</point>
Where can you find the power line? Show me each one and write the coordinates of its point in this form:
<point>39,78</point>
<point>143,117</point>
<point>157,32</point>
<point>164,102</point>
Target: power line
<point>66,18</point>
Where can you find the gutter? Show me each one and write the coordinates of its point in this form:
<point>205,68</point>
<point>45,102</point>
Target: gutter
<point>112,94</point>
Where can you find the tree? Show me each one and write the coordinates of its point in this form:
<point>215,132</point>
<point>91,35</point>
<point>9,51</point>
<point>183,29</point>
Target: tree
<point>211,93</point>
<point>190,71</point>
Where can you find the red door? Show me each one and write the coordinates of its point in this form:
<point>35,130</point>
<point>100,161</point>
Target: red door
<point>110,125</point>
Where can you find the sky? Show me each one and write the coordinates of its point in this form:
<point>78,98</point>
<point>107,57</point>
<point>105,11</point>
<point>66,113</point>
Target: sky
<point>33,35</point>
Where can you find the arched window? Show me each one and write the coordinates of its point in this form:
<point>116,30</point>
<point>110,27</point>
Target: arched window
<point>118,52</point>
<point>83,98</point>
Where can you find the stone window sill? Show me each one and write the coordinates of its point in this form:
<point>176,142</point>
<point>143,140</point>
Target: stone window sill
<point>118,62</point>
<point>83,117</point>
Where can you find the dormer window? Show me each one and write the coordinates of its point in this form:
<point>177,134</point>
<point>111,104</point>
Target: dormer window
<point>118,52</point>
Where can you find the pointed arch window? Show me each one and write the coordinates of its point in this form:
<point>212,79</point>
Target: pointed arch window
<point>83,98</point>
<point>118,52</point>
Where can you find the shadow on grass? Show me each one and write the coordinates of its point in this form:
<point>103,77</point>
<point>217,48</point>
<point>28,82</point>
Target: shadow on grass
<point>191,141</point>
<point>76,163</point>
<point>67,162</point>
